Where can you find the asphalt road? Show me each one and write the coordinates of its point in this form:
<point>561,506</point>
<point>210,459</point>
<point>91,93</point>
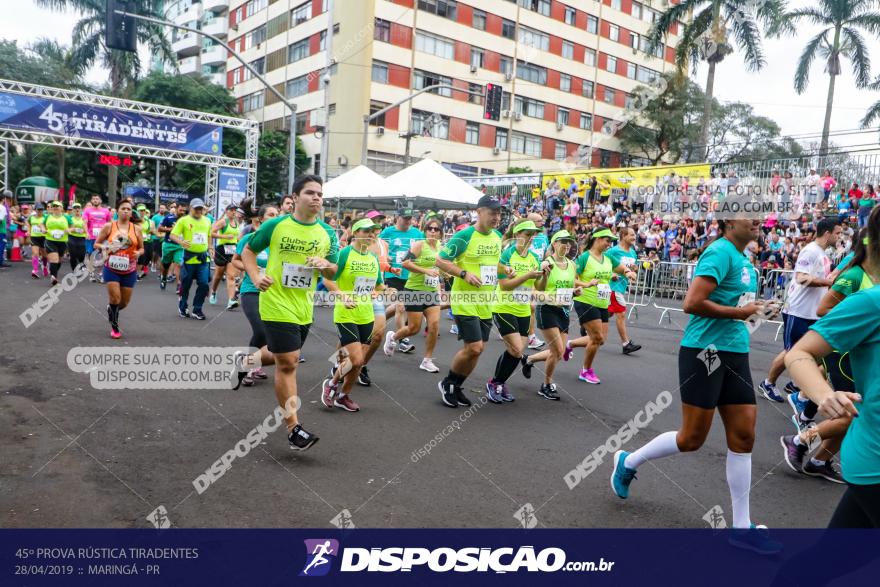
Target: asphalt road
<point>74,456</point>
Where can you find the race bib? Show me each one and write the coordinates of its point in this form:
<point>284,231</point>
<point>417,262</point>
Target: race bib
<point>296,276</point>
<point>96,232</point>
<point>603,292</point>
<point>119,262</point>
<point>229,249</point>
<point>488,274</point>
<point>564,296</point>
<point>745,299</point>
<point>521,295</point>
<point>38,229</point>
<point>432,281</point>
<point>57,234</point>
<point>363,285</point>
<point>399,256</point>
<point>199,238</point>
<point>627,261</point>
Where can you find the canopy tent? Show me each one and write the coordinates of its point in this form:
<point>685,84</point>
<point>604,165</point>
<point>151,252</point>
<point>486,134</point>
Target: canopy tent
<point>360,182</point>
<point>36,189</point>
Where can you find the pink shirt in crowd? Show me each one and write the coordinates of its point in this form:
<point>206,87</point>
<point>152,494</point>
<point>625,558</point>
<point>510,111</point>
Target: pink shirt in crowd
<point>95,219</point>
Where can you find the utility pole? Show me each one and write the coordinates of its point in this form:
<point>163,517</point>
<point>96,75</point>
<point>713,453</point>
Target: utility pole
<point>325,82</point>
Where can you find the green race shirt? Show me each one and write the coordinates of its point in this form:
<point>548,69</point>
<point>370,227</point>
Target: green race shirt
<point>852,280</point>
<point>735,276</point>
<point>247,286</point>
<point>77,227</point>
<point>290,242</point>
<point>560,283</point>
<point>146,229</point>
<point>230,232</point>
<point>589,268</point>
<point>196,232</point>
<point>517,301</point>
<point>56,228</point>
<point>478,254</point>
<point>358,274</point>
<point>620,257</point>
<point>35,223</point>
<point>852,326</point>
<point>426,259</point>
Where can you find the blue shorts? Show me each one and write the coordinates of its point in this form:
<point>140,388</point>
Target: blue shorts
<point>793,329</point>
<point>90,246</point>
<point>123,279</point>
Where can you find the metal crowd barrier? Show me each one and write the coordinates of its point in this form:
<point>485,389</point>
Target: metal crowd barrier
<point>774,285</point>
<point>640,291</point>
<point>670,281</point>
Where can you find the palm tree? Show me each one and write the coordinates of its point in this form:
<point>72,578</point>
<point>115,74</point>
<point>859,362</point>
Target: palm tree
<point>710,30</point>
<point>840,37</point>
<point>89,48</point>
<point>873,113</point>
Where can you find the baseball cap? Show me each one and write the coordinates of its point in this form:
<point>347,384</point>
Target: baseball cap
<point>54,203</point>
<point>76,205</point>
<point>197,203</point>
<point>489,202</point>
<point>141,207</point>
<point>373,214</point>
<point>525,225</point>
<point>561,235</point>
<point>406,213</point>
<point>603,233</point>
<point>364,224</point>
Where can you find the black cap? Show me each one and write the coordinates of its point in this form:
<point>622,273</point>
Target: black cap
<point>489,202</point>
<point>406,213</point>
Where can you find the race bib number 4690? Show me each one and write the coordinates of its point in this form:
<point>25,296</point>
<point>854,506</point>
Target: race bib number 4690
<point>296,276</point>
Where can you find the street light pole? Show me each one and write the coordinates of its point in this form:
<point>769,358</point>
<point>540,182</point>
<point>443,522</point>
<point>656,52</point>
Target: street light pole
<point>291,172</point>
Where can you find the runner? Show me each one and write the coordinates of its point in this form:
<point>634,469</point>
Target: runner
<point>399,238</point>
<point>379,248</point>
<point>471,256</point>
<point>714,375</point>
<point>157,237</point>
<point>56,226</point>
<point>37,233</point>
<point>513,309</point>
<point>76,243</point>
<point>623,253</point>
<point>172,253</point>
<point>424,277</point>
<point>559,283</point>
<point>812,278</point>
<point>147,235</point>
<point>96,215</point>
<point>539,247</point>
<point>595,270</point>
<point>300,246</point>
<point>192,232</point>
<point>356,279</point>
<point>225,232</point>
<point>122,241</point>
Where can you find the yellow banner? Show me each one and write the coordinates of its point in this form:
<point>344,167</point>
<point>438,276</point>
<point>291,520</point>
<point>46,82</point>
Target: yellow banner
<point>624,177</point>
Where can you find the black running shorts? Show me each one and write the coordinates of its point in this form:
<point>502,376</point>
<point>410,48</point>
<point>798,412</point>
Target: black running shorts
<point>709,378</point>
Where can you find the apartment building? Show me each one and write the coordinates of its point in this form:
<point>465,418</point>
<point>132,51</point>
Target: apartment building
<point>197,54</point>
<point>567,67</point>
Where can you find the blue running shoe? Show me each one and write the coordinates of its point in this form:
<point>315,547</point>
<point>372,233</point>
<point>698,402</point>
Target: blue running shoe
<point>756,538</point>
<point>790,387</point>
<point>769,391</point>
<point>621,477</point>
<point>493,392</point>
<point>797,404</point>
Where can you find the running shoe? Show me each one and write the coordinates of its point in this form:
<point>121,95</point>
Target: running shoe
<point>460,398</point>
<point>114,333</point>
<point>505,393</point>
<point>344,401</point>
<point>549,391</point>
<point>589,376</point>
<point>631,347</point>
<point>247,381</point>
<point>526,367</point>
<point>172,278</point>
<point>535,342</point>
<point>447,393</point>
<point>622,475</point>
<point>232,304</point>
<point>183,313</point>
<point>797,404</point>
<point>449,315</point>
<point>793,453</point>
<point>302,357</point>
<point>429,366</point>
<point>300,439</point>
<point>493,391</point>
<point>46,270</point>
<point>802,425</point>
<point>54,280</point>
<point>769,391</point>
<point>452,329</point>
<point>827,471</point>
<point>141,276</point>
<point>198,315</point>
<point>259,374</point>
<point>790,387</point>
<point>389,346</point>
<point>162,284</point>
<point>328,391</point>
<point>35,276</point>
<point>405,346</point>
<point>756,538</point>
<point>568,350</point>
<point>213,298</point>
<point>364,377</point>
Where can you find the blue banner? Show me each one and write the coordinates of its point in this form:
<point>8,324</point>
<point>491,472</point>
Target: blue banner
<point>432,557</point>
<point>144,195</point>
<point>73,119</point>
<point>231,187</point>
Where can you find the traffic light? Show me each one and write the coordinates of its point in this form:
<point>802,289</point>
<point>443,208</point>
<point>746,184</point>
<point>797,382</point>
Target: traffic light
<point>492,102</point>
<point>120,32</point>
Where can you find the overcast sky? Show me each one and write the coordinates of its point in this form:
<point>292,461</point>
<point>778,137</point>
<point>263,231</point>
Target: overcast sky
<point>770,91</point>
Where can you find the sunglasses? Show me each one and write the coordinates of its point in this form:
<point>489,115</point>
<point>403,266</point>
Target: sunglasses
<point>432,229</point>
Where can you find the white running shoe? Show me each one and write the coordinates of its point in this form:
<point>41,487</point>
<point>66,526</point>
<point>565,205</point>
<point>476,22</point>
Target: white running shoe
<point>388,347</point>
<point>535,342</point>
<point>453,329</point>
<point>429,366</point>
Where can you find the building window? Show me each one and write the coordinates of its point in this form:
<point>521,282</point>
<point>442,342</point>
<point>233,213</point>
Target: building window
<point>476,98</point>
<point>529,107</point>
<point>297,86</point>
<point>539,6</point>
<point>631,70</point>
<point>476,57</point>
<point>586,121</point>
<point>525,144</point>
<point>560,154</point>
<point>430,124</point>
<point>568,50</point>
<point>259,65</point>
<point>505,100</point>
<point>590,57</point>
<point>636,10</point>
<point>297,51</point>
<point>508,28</point>
<point>374,108</point>
<point>472,133</point>
<point>615,4</point>
<point>646,75</point>
<point>236,75</point>
<point>301,13</point>
<point>609,95</point>
<point>252,102</point>
<point>628,101</point>
<point>570,15</point>
<point>564,82</point>
<point>531,73</point>
<point>501,139</point>
<point>562,116</point>
<point>382,30</point>
<point>604,156</point>
<point>592,24</point>
<point>322,41</point>
<point>423,79</point>
<point>611,64</point>
<point>256,36</point>
<point>439,46</point>
<point>614,32</point>
<point>479,21</point>
<point>251,8</point>
<point>587,89</point>
<point>445,8</point>
<point>506,65</point>
<point>532,38</point>
<point>302,122</point>
<point>331,109</point>
<point>380,72</point>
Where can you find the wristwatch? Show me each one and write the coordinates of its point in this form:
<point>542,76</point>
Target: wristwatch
<point>462,274</point>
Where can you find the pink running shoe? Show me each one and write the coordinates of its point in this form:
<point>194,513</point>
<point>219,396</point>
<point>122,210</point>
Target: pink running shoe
<point>568,350</point>
<point>589,376</point>
<point>114,333</point>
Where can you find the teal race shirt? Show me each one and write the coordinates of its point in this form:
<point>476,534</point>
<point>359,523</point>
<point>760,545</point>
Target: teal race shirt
<point>852,326</point>
<point>737,284</point>
<point>247,286</point>
<point>399,243</point>
<point>620,257</point>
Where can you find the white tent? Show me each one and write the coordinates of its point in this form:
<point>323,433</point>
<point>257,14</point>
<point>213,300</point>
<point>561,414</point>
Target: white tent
<point>429,184</point>
<point>360,182</point>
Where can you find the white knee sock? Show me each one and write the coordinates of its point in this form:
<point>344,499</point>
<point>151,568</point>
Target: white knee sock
<point>739,480</point>
<point>662,446</point>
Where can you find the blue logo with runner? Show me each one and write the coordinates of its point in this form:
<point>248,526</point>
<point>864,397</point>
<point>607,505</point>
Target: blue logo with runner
<point>320,553</point>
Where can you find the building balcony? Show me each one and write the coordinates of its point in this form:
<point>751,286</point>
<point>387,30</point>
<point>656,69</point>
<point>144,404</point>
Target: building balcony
<point>218,27</point>
<point>192,14</point>
<point>215,5</point>
<point>217,78</point>
<point>215,55</point>
<point>187,45</point>
<point>189,65</point>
